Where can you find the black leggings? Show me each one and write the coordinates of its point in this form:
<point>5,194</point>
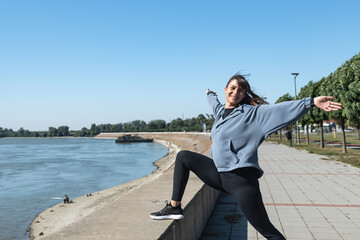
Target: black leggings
<point>241,183</point>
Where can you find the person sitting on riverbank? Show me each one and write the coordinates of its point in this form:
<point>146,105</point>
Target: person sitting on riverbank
<point>66,199</point>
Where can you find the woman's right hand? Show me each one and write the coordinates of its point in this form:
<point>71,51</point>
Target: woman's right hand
<point>208,92</point>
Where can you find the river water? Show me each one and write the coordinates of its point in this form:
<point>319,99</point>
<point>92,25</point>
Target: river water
<point>36,172</point>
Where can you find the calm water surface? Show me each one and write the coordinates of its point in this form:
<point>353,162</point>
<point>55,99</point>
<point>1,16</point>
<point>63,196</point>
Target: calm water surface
<point>35,170</point>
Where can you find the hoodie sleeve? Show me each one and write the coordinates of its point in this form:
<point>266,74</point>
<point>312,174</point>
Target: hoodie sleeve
<point>214,103</point>
<point>277,116</point>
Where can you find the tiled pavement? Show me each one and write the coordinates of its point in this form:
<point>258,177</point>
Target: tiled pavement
<point>307,196</point>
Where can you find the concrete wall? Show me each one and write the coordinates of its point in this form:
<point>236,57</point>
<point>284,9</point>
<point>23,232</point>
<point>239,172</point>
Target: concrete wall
<point>196,214</point>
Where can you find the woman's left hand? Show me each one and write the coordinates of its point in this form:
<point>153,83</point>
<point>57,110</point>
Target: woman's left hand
<point>326,105</point>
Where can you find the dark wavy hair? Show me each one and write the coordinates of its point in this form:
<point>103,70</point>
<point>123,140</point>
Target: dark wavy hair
<point>250,98</point>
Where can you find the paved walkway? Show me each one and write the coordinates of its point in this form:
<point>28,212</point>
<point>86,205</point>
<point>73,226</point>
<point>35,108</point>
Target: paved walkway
<point>307,197</point>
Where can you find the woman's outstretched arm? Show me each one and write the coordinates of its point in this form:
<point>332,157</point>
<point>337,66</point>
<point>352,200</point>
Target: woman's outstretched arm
<point>273,117</point>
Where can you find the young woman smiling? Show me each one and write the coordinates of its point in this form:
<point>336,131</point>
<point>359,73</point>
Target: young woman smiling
<point>240,126</point>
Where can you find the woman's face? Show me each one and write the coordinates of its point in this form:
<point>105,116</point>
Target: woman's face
<point>234,94</point>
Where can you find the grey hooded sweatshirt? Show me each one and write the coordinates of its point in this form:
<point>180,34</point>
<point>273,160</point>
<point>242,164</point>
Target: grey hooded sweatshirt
<point>237,137</point>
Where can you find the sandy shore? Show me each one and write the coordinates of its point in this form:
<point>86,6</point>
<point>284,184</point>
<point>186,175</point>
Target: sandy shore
<point>61,216</point>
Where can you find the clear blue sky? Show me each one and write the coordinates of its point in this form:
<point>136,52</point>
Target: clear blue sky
<point>76,63</point>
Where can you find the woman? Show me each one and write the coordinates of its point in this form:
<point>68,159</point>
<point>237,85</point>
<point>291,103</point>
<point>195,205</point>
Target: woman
<point>240,126</point>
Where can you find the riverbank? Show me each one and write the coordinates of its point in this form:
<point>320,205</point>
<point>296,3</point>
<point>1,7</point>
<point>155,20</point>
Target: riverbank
<point>62,215</point>
<point>66,220</point>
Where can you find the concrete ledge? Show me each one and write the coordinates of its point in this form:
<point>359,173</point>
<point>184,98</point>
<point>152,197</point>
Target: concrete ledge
<point>196,213</point>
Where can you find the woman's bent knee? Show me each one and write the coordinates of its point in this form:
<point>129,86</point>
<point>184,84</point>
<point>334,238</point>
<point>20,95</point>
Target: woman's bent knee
<point>183,155</point>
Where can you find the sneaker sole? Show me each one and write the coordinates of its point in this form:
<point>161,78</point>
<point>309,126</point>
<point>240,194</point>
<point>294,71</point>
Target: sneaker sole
<point>166,217</point>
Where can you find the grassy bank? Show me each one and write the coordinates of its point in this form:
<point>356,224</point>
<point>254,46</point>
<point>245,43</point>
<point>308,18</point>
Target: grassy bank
<point>351,157</point>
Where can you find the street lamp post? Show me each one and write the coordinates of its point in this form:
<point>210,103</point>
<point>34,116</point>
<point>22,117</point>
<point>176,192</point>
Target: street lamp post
<point>297,123</point>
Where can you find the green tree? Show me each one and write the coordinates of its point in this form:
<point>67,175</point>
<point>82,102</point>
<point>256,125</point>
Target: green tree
<point>284,98</point>
<point>105,127</point>
<point>201,118</point>
<point>156,125</point>
<point>335,87</point>
<point>209,121</point>
<point>84,132</point>
<point>94,130</point>
<point>128,127</point>
<point>21,132</point>
<point>52,132</point>
<point>191,124</point>
<point>176,125</point>
<point>317,115</point>
<point>117,127</point>
<point>138,125</point>
<point>350,79</point>
<point>63,131</point>
<point>2,133</point>
<point>35,134</point>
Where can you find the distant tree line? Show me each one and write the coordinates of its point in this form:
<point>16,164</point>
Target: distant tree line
<point>61,131</point>
<point>344,85</point>
<point>177,125</point>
